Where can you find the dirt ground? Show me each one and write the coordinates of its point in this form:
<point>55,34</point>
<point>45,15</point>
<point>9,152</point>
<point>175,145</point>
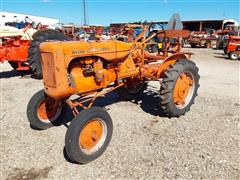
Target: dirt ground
<point>204,143</point>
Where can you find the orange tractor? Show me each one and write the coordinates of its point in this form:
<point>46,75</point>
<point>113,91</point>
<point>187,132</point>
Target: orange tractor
<point>89,70</point>
<point>14,46</point>
<point>233,47</point>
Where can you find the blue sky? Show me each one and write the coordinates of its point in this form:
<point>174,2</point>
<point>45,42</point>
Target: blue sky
<point>110,11</point>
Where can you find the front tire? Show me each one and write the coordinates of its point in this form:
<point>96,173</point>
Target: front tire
<point>88,135</point>
<point>179,88</point>
<point>233,56</point>
<point>43,111</point>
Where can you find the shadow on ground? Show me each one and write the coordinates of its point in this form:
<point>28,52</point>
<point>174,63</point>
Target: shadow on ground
<point>226,58</point>
<point>14,73</point>
<point>222,57</point>
<point>148,102</point>
<point>219,53</point>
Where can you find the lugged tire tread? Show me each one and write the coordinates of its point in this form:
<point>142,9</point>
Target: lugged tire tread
<point>34,57</point>
<point>167,87</point>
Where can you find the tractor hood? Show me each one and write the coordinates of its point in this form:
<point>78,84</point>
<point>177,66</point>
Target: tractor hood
<point>109,49</point>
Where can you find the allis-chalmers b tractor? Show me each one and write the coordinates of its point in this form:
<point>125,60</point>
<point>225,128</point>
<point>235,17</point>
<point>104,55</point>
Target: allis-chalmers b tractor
<point>89,70</point>
<point>233,47</point>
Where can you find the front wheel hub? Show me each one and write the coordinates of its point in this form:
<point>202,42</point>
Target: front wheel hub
<point>48,110</point>
<point>92,136</point>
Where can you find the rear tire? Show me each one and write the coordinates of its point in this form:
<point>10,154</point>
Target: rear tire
<point>43,112</point>
<point>88,135</point>
<point>179,88</point>
<point>34,56</point>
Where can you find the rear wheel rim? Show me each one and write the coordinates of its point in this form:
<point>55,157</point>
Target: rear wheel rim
<point>183,90</point>
<point>93,136</point>
<point>48,110</point>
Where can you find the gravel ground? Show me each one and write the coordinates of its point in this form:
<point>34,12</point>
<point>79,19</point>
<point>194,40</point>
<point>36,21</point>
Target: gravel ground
<point>204,143</point>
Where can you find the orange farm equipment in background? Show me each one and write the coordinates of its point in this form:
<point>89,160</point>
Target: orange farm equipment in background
<point>89,70</point>
<point>15,51</point>
<point>233,47</point>
<point>129,32</point>
<point>98,29</point>
<point>14,43</point>
<point>202,39</point>
<point>14,46</point>
<point>20,47</point>
<point>155,45</point>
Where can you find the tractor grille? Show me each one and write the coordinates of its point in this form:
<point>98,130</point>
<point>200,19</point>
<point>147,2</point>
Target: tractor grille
<point>48,69</point>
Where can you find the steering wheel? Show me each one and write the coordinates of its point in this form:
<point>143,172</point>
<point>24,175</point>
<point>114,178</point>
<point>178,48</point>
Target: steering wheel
<point>155,28</point>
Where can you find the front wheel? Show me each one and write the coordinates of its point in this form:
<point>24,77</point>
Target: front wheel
<point>88,135</point>
<point>43,111</point>
<point>179,88</point>
<point>233,55</point>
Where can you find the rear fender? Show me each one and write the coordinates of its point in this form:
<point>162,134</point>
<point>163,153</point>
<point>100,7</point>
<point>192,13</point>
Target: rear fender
<point>171,60</point>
